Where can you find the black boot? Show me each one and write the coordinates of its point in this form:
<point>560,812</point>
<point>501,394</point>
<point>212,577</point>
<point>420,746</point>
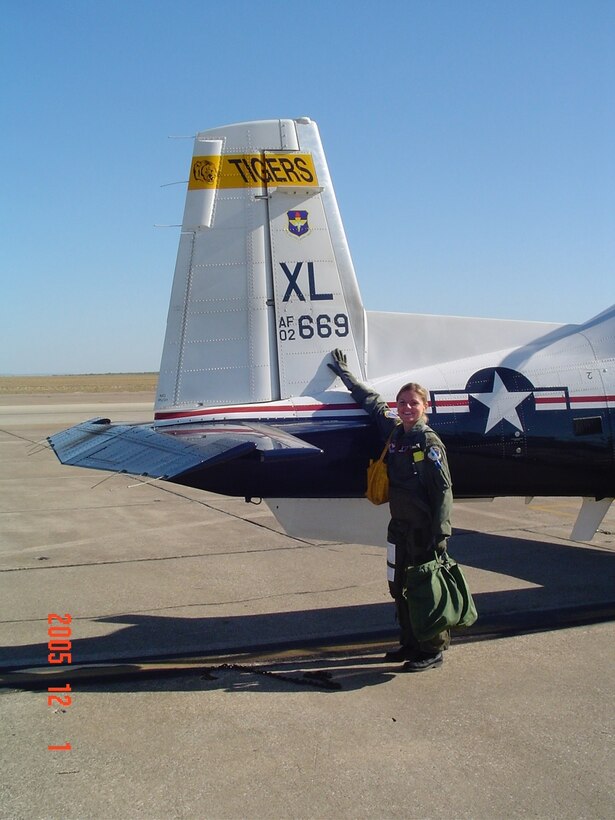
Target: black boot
<point>403,653</point>
<point>424,661</point>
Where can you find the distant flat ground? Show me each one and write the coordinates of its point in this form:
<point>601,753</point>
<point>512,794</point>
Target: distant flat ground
<point>84,383</point>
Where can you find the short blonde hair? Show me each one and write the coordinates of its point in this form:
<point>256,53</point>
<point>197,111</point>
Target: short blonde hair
<point>413,387</point>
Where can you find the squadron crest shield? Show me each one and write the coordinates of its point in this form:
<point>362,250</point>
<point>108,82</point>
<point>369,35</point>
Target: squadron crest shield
<point>298,222</point>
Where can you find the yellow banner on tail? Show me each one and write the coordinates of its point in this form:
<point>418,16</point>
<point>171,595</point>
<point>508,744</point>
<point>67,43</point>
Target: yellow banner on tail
<point>252,171</point>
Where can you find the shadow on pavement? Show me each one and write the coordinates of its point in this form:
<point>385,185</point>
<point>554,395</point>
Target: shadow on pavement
<point>563,577</point>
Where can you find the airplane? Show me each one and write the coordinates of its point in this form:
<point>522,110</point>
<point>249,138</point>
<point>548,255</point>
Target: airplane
<point>264,289</point>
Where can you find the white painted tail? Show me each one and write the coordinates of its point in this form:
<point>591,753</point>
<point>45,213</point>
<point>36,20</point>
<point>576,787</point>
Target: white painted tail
<point>264,285</point>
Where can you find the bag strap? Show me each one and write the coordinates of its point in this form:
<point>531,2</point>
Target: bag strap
<point>386,446</point>
<point>445,559</point>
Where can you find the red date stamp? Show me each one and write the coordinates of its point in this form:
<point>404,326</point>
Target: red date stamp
<point>59,646</point>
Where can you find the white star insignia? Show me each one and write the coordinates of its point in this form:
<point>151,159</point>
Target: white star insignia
<point>502,404</point>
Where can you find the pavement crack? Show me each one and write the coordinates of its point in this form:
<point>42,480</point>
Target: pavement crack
<point>201,604</point>
<point>157,558</point>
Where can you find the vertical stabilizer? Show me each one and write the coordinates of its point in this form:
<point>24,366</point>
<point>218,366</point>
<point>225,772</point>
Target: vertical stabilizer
<point>264,285</point>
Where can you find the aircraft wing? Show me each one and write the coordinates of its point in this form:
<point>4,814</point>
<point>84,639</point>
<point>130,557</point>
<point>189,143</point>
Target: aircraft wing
<point>143,449</point>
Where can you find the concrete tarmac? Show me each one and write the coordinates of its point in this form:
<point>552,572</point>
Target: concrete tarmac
<point>277,705</point>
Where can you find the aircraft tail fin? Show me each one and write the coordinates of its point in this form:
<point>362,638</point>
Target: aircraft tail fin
<point>264,285</point>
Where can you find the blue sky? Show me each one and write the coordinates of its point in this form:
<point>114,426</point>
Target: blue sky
<point>471,145</point>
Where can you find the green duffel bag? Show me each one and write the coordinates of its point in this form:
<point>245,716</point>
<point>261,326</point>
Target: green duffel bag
<point>438,597</point>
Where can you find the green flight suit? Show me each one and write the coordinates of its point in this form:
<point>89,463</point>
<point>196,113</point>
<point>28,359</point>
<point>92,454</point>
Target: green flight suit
<point>420,501</point>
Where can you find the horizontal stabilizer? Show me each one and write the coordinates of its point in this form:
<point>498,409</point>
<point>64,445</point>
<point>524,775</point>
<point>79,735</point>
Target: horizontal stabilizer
<point>142,449</point>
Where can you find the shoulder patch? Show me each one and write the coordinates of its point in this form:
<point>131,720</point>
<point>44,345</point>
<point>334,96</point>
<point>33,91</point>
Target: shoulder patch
<point>435,454</point>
